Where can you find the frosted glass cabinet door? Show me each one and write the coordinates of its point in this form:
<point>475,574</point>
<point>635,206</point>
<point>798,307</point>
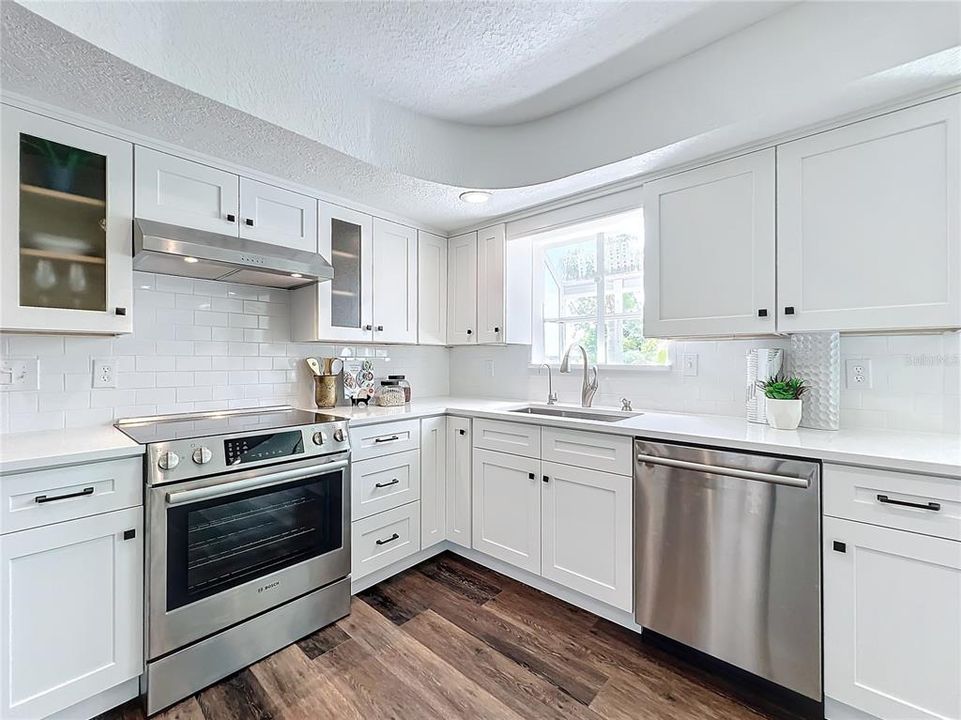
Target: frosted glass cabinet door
<point>66,204</point>
<point>345,304</point>
<point>709,250</point>
<point>869,224</point>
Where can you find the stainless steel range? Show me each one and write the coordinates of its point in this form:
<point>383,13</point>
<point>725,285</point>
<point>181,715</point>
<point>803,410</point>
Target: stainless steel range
<point>248,539</point>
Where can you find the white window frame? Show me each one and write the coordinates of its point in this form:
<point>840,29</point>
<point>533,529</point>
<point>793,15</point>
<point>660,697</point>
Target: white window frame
<point>600,317</point>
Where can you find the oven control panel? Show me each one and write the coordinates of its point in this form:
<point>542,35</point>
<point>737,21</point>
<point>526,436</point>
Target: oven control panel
<point>188,459</point>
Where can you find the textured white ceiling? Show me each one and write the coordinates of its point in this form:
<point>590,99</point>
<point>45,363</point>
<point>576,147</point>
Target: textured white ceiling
<point>285,90</point>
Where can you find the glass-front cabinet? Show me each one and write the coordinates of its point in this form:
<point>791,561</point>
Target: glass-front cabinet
<point>66,206</point>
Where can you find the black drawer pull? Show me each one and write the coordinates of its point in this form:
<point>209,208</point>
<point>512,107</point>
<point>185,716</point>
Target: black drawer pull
<point>44,499</point>
<point>393,537</point>
<point>249,221</point>
<point>762,312</point>
<point>386,439</point>
<point>231,217</point>
<point>386,484</point>
<point>933,506</point>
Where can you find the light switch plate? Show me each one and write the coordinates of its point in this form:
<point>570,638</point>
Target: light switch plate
<point>689,364</point>
<point>19,373</point>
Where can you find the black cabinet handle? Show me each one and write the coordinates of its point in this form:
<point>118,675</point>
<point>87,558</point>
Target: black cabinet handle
<point>840,547</point>
<point>530,475</point>
<point>497,329</point>
<point>380,328</point>
<point>933,506</point>
<point>386,484</point>
<point>44,499</point>
<point>231,217</point>
<point>249,221</point>
<point>120,311</point>
<point>390,539</point>
<point>386,439</point>
<point>462,432</point>
<point>470,332</point>
<point>546,479</point>
<point>129,534</point>
<point>789,310</point>
<point>368,327</point>
<point>762,312</point>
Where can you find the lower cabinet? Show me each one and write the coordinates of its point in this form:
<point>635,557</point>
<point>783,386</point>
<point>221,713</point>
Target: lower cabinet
<point>459,481</point>
<point>507,508</point>
<point>433,481</point>
<point>892,621</point>
<point>586,538</point>
<point>384,538</point>
<point>71,612</point>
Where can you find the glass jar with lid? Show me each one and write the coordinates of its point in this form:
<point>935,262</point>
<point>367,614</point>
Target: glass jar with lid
<point>390,394</point>
<point>403,384</point>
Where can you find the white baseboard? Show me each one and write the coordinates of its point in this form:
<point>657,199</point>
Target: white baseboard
<point>101,702</point>
<point>836,710</point>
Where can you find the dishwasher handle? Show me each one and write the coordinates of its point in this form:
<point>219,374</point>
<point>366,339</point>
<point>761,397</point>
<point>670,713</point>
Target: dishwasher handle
<point>726,471</point>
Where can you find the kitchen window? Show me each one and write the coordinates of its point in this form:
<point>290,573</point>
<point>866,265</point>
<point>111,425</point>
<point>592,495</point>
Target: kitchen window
<point>589,288</point>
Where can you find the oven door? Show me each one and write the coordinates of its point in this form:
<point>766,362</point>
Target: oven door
<point>223,549</point>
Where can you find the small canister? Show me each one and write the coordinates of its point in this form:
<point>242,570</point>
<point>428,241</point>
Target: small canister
<point>403,384</point>
<point>390,394</point>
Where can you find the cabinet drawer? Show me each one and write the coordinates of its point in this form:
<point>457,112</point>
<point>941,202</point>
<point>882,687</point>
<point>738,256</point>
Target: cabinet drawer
<point>879,497</point>
<point>383,483</point>
<point>371,441</point>
<point>31,499</point>
<point>382,539</point>
<point>594,451</point>
<point>508,437</point>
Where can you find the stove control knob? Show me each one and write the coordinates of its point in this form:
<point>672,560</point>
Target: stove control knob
<point>202,455</point>
<point>339,435</point>
<point>319,438</point>
<point>168,460</point>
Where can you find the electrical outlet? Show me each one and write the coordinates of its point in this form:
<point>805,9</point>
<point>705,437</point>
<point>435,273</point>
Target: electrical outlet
<point>489,368</point>
<point>18,373</point>
<point>105,373</point>
<point>689,364</point>
<point>858,373</point>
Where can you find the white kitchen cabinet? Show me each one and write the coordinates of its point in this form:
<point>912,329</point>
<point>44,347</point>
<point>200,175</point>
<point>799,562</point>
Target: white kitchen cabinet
<point>71,612</point>
<point>342,309</point>
<point>491,318</point>
<point>587,539</point>
<point>459,481</point>
<point>383,483</point>
<point>506,508</point>
<point>462,284</point>
<point>892,621</point>
<point>394,283</point>
<point>66,207</point>
<point>385,538</point>
<point>431,289</point>
<point>173,190</point>
<point>273,215</point>
<point>433,481</point>
<point>709,250</point>
<point>869,224</point>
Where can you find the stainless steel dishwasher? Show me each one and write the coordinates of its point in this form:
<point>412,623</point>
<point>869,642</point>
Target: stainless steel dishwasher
<point>727,558</point>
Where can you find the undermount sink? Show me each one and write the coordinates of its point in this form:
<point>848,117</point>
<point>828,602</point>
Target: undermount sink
<point>577,413</point>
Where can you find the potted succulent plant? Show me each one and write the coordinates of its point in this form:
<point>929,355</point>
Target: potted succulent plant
<point>783,401</point>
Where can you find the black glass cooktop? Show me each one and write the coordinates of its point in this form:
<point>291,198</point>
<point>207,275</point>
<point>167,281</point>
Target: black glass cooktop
<point>194,425</point>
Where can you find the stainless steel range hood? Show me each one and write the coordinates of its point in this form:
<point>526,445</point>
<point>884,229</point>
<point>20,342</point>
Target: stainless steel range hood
<point>174,250</point>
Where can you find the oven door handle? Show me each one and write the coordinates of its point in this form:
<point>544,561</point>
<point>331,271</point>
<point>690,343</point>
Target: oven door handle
<point>255,483</point>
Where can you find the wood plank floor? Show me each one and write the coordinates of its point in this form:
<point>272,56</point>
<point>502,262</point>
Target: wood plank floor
<point>450,639</point>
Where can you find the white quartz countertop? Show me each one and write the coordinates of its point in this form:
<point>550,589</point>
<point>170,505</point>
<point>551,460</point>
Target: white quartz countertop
<point>44,449</point>
<point>891,450</point>
<point>933,453</point>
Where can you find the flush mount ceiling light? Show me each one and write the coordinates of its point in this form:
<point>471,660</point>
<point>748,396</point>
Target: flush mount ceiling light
<point>475,197</point>
<point>296,275</point>
<point>190,260</point>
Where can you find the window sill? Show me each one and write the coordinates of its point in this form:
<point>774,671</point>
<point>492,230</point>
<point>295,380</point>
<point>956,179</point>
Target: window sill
<point>609,368</point>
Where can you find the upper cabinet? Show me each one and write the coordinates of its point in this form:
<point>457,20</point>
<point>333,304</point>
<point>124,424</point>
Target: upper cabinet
<point>462,281</point>
<point>273,215</point>
<point>65,227</point>
<point>172,190</point>
<point>182,192</point>
<point>869,219</point>
<point>431,289</point>
<point>373,296</point>
<point>709,250</point>
<point>491,285</point>
<point>395,283</point>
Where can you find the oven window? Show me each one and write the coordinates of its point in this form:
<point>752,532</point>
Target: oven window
<point>222,542</point>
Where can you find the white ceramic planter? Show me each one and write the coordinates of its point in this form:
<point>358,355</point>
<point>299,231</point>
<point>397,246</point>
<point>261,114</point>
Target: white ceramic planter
<point>783,414</point>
